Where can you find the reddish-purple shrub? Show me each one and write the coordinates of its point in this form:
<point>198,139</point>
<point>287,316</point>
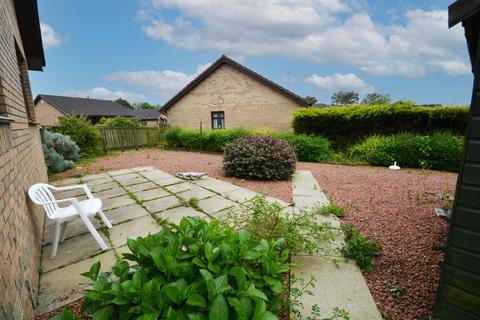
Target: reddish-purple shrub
<point>259,157</point>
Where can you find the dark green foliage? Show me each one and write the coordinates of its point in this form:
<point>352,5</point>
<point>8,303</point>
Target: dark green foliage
<point>345,98</point>
<point>440,151</point>
<point>124,103</point>
<point>311,100</point>
<point>259,157</point>
<point>67,314</point>
<point>60,152</point>
<point>120,122</point>
<point>196,270</point>
<point>359,248</point>
<point>308,148</point>
<point>145,105</point>
<point>80,130</point>
<point>346,125</point>
<point>376,98</point>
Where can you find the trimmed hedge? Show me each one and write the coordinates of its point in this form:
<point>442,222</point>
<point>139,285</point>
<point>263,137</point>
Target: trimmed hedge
<point>309,148</point>
<point>346,125</point>
<point>439,151</point>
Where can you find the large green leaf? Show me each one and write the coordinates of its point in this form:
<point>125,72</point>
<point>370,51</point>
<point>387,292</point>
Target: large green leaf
<point>92,274</point>
<point>219,309</point>
<point>255,293</point>
<point>197,300</point>
<point>103,314</point>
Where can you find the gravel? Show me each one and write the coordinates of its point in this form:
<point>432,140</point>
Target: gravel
<point>394,207</point>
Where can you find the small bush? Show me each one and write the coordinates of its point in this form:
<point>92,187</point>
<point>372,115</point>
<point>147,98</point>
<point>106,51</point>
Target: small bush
<point>259,157</point>
<point>359,248</point>
<point>196,270</point>
<point>120,122</point>
<point>85,135</point>
<point>309,148</point>
<point>60,152</point>
<point>446,151</point>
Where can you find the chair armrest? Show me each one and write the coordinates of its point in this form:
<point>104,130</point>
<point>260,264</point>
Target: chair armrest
<point>74,201</point>
<point>78,186</point>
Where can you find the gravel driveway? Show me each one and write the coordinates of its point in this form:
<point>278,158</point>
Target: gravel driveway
<point>394,207</point>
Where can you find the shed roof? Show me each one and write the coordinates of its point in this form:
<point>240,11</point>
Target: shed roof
<point>85,106</point>
<point>226,60</point>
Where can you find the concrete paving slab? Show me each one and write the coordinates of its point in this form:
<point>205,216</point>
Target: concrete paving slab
<point>96,182</point>
<point>75,228</point>
<point>132,229</point>
<point>131,181</point>
<point>125,213</point>
<point>155,174</point>
<point>176,214</point>
<point>215,185</point>
<point>151,194</point>
<point>166,181</point>
<point>197,192</point>
<point>65,285</point>
<point>219,214</point>
<point>113,203</point>
<point>103,187</point>
<point>310,202</point>
<point>340,286</point>
<point>95,176</point>
<point>140,169</point>
<point>215,204</point>
<point>68,194</point>
<point>66,182</point>
<point>71,250</point>
<point>304,179</point>
<point>110,193</point>
<point>120,172</point>
<point>141,187</point>
<point>162,204</point>
<point>180,187</point>
<point>240,194</point>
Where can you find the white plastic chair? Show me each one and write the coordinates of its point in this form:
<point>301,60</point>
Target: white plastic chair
<point>40,194</point>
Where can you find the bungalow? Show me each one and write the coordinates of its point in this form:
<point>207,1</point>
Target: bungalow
<point>229,95</point>
<point>49,109</point>
<point>149,117</point>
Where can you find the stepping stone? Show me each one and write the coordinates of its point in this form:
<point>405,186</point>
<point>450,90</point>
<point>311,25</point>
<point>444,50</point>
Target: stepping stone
<point>110,193</point>
<point>215,185</point>
<point>197,192</point>
<point>103,187</point>
<point>304,179</point>
<point>176,214</point>
<point>113,203</point>
<point>151,194</point>
<point>125,213</point>
<point>120,172</point>
<point>310,202</point>
<point>65,285</point>
<point>139,227</point>
<point>141,186</point>
<point>71,250</point>
<point>215,204</point>
<point>180,187</point>
<point>162,204</point>
<point>240,194</point>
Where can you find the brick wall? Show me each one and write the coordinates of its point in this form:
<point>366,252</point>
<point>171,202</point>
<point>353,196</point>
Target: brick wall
<point>21,164</point>
<point>47,115</point>
<point>247,103</point>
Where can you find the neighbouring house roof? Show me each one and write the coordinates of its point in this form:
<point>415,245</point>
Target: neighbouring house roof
<point>226,60</point>
<point>85,106</point>
<point>29,26</point>
<point>147,114</point>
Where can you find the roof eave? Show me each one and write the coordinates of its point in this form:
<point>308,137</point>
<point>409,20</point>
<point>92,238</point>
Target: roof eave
<point>461,10</point>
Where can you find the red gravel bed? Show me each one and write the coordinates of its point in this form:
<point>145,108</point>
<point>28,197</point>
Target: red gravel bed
<point>394,207</point>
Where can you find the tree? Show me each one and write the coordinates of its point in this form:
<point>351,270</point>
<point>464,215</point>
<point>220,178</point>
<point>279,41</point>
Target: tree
<point>311,100</point>
<point>376,98</point>
<point>345,98</point>
<point>124,103</point>
<point>146,105</point>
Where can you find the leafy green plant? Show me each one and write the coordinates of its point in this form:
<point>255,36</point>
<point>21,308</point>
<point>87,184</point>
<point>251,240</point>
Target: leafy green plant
<point>120,122</point>
<point>259,157</point>
<point>80,130</point>
<point>267,220</point>
<point>67,314</point>
<point>60,152</point>
<point>194,270</point>
<point>359,248</point>
<point>331,209</point>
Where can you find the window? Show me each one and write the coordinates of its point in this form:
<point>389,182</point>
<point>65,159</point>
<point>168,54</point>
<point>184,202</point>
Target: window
<point>218,120</point>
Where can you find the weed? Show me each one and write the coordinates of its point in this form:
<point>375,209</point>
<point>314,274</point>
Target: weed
<point>193,202</point>
<point>359,248</point>
<point>331,209</point>
<point>396,291</point>
<point>41,270</point>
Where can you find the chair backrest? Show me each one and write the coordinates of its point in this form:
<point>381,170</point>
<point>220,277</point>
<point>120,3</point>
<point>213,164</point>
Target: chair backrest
<point>40,194</point>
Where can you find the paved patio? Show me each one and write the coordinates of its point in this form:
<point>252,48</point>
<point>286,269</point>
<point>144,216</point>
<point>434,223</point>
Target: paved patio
<point>132,200</point>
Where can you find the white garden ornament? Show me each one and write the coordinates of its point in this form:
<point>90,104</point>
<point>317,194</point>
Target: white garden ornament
<point>190,175</point>
<point>41,194</point>
<point>394,166</point>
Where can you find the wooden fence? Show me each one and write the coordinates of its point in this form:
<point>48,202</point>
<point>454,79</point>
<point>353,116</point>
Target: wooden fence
<point>127,138</point>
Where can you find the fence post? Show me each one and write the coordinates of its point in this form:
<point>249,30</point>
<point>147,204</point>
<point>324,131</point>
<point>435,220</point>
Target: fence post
<point>102,131</point>
<point>135,132</point>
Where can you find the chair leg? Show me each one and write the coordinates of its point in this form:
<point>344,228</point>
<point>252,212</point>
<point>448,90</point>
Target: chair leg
<point>56,238</point>
<point>94,232</point>
<point>105,219</point>
<point>64,229</point>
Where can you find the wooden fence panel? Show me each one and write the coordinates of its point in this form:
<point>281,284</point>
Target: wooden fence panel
<point>128,138</point>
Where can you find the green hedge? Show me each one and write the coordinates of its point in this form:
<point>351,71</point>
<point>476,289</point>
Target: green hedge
<point>346,125</point>
<point>307,147</point>
<point>439,151</point>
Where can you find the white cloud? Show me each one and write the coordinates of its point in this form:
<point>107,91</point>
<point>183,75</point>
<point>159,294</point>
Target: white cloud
<point>324,31</point>
<point>104,93</point>
<point>50,37</point>
<point>163,84</point>
<point>338,81</point>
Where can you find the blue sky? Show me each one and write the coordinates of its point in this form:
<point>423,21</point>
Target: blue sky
<point>146,50</point>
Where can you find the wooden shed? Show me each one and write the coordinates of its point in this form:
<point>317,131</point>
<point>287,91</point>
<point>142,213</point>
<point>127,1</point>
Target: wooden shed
<point>458,294</point>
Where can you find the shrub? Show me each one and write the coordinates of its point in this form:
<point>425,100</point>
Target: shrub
<point>331,209</point>
<point>192,271</point>
<point>441,151</point>
<point>80,130</point>
<point>346,125</point>
<point>307,147</point>
<point>259,157</point>
<point>60,152</point>
<point>120,122</point>
<point>359,248</point>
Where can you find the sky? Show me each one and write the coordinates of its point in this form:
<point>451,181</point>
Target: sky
<point>147,50</point>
